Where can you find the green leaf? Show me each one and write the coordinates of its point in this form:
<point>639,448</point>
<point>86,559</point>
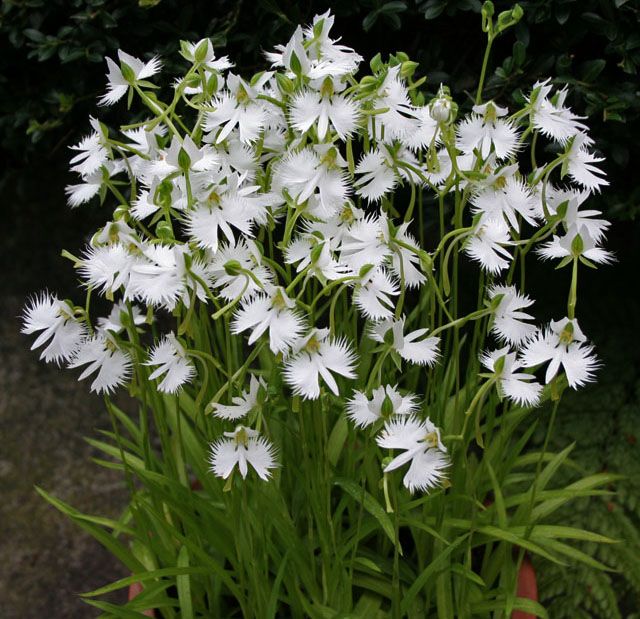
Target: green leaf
<point>497,497</point>
<point>372,506</point>
<point>336,440</point>
<point>572,553</point>
<point>519,53</point>
<point>523,604</point>
<point>115,547</point>
<point>517,540</point>
<point>272,608</point>
<point>143,577</point>
<point>183,584</point>
<point>434,8</point>
<point>592,69</point>
<point>428,572</point>
<point>34,35</point>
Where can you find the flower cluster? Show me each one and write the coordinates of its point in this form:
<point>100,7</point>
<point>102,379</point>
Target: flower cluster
<point>279,215</point>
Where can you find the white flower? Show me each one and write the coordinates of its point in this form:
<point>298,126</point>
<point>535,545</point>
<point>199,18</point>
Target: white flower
<point>399,119</point>
<point>486,245</point>
<point>222,207</point>
<point>412,347</point>
<point>562,343</point>
<point>508,320</point>
<point>377,176</point>
<point>403,260</point>
<point>59,328</point>
<point>117,84</point>
<point>581,162</point>
<point>171,192</point>
<point>162,279</point>
<point>372,295</point>
<point>208,59</point>
<point>551,117</point>
<point>172,361</point>
<point>424,134</point>
<point>575,243</point>
<point>116,232</point>
<point>327,57</point>
<point>243,446</point>
<point>240,107</point>
<point>486,128</point>
<point>316,255</point>
<point>314,173</point>
<point>326,108</point>
<point>107,268</point>
<point>285,54</point>
<point>422,446</point>
<point>318,56</point>
<point>317,355</point>
<point>101,354</point>
<point>505,194</point>
<point>571,201</point>
<point>229,268</point>
<point>199,159</point>
<point>89,187</point>
<point>242,404</point>
<point>365,243</point>
<point>385,401</point>
<point>274,311</point>
<point>517,386</point>
<point>93,152</point>
<point>113,322</point>
<point>145,142</point>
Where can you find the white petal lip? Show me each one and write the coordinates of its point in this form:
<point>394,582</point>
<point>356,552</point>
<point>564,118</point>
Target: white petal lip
<point>303,370</point>
<point>52,317</point>
<point>117,86</point>
<point>226,453</point>
<point>576,358</point>
<point>113,367</point>
<point>172,363</point>
<point>428,463</point>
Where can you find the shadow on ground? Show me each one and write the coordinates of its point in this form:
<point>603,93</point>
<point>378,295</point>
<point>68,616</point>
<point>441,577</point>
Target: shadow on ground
<point>44,415</point>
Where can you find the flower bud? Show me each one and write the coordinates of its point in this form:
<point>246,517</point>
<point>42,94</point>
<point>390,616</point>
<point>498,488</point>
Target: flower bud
<point>202,51</point>
<point>442,108</point>
<point>488,9</point>
<point>408,68</point>
<point>164,231</point>
<point>389,337</point>
<point>184,161</point>
<point>386,409</point>
<point>316,252</point>
<point>498,365</point>
<point>127,72</point>
<point>364,270</point>
<point>577,246</point>
<point>426,262</point>
<point>232,268</point>
<point>376,63</point>
<point>285,84</point>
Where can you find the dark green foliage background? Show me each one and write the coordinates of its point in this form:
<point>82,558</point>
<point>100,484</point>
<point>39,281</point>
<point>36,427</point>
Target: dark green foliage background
<point>52,65</point>
<point>52,69</point>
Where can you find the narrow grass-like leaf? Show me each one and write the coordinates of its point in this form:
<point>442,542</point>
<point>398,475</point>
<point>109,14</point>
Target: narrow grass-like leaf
<point>428,572</point>
<point>372,506</point>
<point>183,584</point>
<point>114,546</point>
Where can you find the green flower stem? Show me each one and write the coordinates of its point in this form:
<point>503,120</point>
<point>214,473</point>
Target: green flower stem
<point>252,355</point>
<point>573,291</point>
<point>485,63</point>
<point>461,321</point>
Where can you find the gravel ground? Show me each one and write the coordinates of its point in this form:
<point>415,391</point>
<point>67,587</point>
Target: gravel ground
<point>45,559</point>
